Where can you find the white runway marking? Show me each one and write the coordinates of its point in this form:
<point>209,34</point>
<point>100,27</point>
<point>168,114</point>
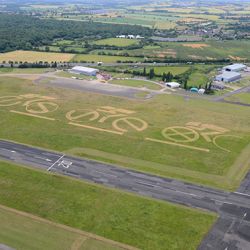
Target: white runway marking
<point>55,163</point>
<point>241,194</point>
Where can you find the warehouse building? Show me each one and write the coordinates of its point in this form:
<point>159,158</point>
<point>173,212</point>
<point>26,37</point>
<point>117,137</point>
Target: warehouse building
<point>235,67</point>
<point>228,76</point>
<point>84,71</point>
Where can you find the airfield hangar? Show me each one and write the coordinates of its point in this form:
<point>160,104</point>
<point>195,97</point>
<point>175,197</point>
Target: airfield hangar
<point>84,71</point>
<point>228,76</point>
<point>237,67</point>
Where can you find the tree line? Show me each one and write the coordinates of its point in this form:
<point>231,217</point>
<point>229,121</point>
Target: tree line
<point>26,32</point>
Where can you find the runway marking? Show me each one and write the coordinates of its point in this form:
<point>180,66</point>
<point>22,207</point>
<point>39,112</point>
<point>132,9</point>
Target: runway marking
<point>177,191</point>
<point>177,144</point>
<point>55,163</point>
<point>37,116</point>
<point>242,194</point>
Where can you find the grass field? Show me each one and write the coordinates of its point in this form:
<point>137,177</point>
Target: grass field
<point>236,50</point>
<point>105,59</point>
<point>120,42</point>
<point>34,56</point>
<point>130,219</point>
<point>241,97</point>
<point>137,83</point>
<point>24,231</point>
<point>146,144</point>
<point>25,71</point>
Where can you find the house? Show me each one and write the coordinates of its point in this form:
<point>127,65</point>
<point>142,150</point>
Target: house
<point>131,37</point>
<point>228,76</point>
<point>84,71</point>
<point>235,67</point>
<point>172,85</point>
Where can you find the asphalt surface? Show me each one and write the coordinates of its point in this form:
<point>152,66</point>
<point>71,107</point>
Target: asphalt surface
<point>100,88</point>
<point>231,231</point>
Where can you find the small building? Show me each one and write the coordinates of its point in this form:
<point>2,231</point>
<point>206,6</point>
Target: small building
<point>201,91</point>
<point>195,90</point>
<point>172,85</point>
<point>131,37</point>
<point>217,86</point>
<point>235,67</point>
<point>228,76</point>
<point>84,71</point>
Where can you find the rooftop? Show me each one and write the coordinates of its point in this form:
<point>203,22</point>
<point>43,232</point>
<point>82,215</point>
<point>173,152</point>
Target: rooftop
<point>229,74</point>
<point>85,69</point>
<point>235,66</point>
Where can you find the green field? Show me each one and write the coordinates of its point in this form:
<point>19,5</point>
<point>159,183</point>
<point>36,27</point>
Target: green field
<point>144,146</point>
<point>241,97</point>
<point>137,83</point>
<point>105,59</point>
<point>207,50</point>
<point>26,232</point>
<point>137,221</point>
<point>25,71</point>
<point>119,42</point>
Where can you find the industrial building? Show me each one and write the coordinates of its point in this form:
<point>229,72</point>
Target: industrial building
<point>235,67</point>
<point>84,71</point>
<point>228,76</point>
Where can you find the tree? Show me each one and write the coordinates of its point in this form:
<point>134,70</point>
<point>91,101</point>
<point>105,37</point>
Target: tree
<point>47,49</point>
<point>185,86</point>
<point>151,73</point>
<point>164,77</point>
<point>169,77</point>
<point>144,71</point>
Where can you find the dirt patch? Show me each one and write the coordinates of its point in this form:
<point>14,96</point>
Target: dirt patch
<point>196,45</point>
<point>237,58</point>
<point>168,52</point>
<point>194,57</point>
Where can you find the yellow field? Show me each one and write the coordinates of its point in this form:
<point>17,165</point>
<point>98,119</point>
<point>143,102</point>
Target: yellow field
<point>34,56</point>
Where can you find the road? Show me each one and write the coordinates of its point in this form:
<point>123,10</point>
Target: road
<point>232,230</point>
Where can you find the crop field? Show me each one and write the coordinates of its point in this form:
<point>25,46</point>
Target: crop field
<point>130,219</point>
<point>145,135</point>
<point>34,56</point>
<point>120,42</point>
<point>234,50</point>
<point>25,231</point>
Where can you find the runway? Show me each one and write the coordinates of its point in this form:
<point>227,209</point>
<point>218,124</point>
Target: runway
<point>232,230</point>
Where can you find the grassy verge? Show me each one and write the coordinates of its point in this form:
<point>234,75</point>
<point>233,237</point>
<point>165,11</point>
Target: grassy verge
<point>24,231</point>
<point>140,222</point>
<point>241,97</point>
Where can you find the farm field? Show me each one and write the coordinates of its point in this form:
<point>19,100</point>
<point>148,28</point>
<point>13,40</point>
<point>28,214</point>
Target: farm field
<point>34,56</point>
<point>105,59</point>
<point>216,157</point>
<point>137,83</point>
<point>24,231</point>
<point>209,50</point>
<point>120,42</point>
<point>127,218</point>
